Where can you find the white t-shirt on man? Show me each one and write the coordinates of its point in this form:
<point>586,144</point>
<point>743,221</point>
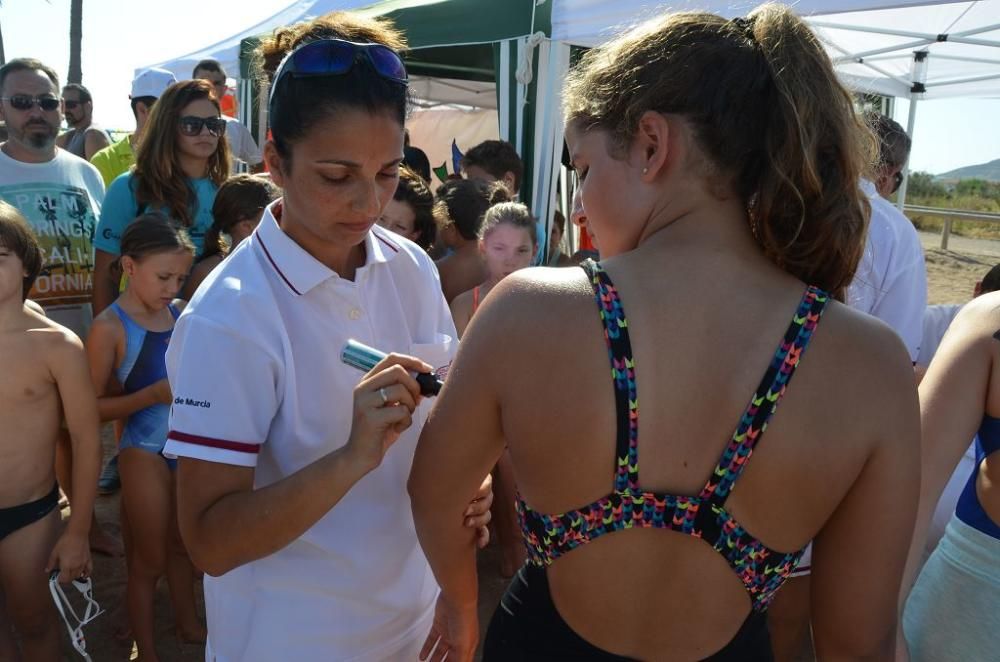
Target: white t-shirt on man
<point>254,366</point>
<point>891,280</point>
<point>241,143</point>
<point>61,200</point>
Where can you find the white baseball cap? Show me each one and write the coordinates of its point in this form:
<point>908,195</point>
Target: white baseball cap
<point>152,83</point>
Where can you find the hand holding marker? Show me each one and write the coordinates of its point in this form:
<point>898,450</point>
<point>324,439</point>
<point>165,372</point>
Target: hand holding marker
<point>365,358</point>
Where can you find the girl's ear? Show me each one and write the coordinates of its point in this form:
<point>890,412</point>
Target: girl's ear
<point>128,265</point>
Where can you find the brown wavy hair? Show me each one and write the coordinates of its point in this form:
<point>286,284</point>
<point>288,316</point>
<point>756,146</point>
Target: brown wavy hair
<point>157,175</point>
<point>774,124</point>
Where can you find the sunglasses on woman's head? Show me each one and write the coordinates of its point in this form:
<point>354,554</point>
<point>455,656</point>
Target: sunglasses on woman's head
<point>46,102</point>
<point>336,57</point>
<point>191,125</point>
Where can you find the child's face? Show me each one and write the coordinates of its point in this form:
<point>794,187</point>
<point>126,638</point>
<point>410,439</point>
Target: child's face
<point>12,274</point>
<point>399,218</point>
<point>156,279</point>
<point>506,249</point>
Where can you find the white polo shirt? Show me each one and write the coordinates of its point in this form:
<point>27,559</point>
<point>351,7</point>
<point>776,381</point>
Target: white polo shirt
<point>255,370</point>
<point>891,280</point>
<point>242,146</point>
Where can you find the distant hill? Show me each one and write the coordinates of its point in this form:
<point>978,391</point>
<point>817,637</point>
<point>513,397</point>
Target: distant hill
<point>988,171</point>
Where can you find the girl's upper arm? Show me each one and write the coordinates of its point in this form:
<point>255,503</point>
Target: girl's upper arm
<point>953,393</point>
<point>463,437</point>
<point>103,352</point>
<point>460,313</point>
<point>860,553</point>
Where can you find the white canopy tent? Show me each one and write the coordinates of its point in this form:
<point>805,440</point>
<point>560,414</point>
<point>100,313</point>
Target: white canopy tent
<point>933,52</point>
<point>591,22</point>
<point>227,50</point>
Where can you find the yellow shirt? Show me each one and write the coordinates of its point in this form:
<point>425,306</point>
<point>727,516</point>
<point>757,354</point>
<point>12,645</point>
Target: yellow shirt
<point>114,159</point>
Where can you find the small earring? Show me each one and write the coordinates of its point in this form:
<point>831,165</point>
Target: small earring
<point>645,171</point>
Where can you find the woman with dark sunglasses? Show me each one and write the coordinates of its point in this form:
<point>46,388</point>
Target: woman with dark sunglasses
<point>180,163</point>
<point>292,474</point>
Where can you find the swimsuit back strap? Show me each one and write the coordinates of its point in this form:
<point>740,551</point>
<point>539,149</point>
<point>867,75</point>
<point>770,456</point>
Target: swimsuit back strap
<point>765,399</point>
<point>616,339</point>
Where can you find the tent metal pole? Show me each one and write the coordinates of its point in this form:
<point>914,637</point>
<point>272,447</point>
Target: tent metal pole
<point>910,122</point>
<point>873,30</point>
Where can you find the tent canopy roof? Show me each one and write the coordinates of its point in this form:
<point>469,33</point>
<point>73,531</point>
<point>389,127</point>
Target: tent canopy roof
<point>591,22</point>
<point>875,50</point>
<point>872,42</point>
<point>227,51</point>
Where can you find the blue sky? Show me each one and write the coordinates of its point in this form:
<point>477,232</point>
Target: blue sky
<point>121,35</point>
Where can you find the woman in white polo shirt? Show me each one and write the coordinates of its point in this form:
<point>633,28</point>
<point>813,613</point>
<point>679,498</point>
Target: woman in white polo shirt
<point>292,475</point>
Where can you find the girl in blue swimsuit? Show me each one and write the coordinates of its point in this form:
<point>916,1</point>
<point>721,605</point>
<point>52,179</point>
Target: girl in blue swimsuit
<point>952,612</point>
<point>126,349</point>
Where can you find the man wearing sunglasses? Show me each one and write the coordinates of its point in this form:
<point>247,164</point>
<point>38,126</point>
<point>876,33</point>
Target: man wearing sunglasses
<point>57,192</point>
<point>60,195</point>
<point>84,138</point>
<point>246,153</point>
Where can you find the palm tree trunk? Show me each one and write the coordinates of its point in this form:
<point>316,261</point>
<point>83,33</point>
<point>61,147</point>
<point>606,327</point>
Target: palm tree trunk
<point>3,57</point>
<point>75,41</point>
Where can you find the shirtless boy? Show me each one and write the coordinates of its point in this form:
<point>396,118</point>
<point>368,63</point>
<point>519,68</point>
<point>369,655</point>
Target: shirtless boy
<point>45,380</point>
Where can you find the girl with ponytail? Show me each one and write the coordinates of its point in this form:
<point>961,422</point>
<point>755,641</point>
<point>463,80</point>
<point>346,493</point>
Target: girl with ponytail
<point>719,164</point>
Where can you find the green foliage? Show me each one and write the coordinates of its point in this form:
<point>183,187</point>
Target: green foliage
<point>968,195</point>
<point>922,185</point>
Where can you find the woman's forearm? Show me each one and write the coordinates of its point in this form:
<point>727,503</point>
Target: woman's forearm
<point>247,525</point>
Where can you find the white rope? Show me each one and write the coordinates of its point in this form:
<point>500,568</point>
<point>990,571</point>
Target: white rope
<point>524,68</point>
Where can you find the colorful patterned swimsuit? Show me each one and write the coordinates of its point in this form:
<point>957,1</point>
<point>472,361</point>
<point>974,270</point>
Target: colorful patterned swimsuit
<point>761,569</point>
